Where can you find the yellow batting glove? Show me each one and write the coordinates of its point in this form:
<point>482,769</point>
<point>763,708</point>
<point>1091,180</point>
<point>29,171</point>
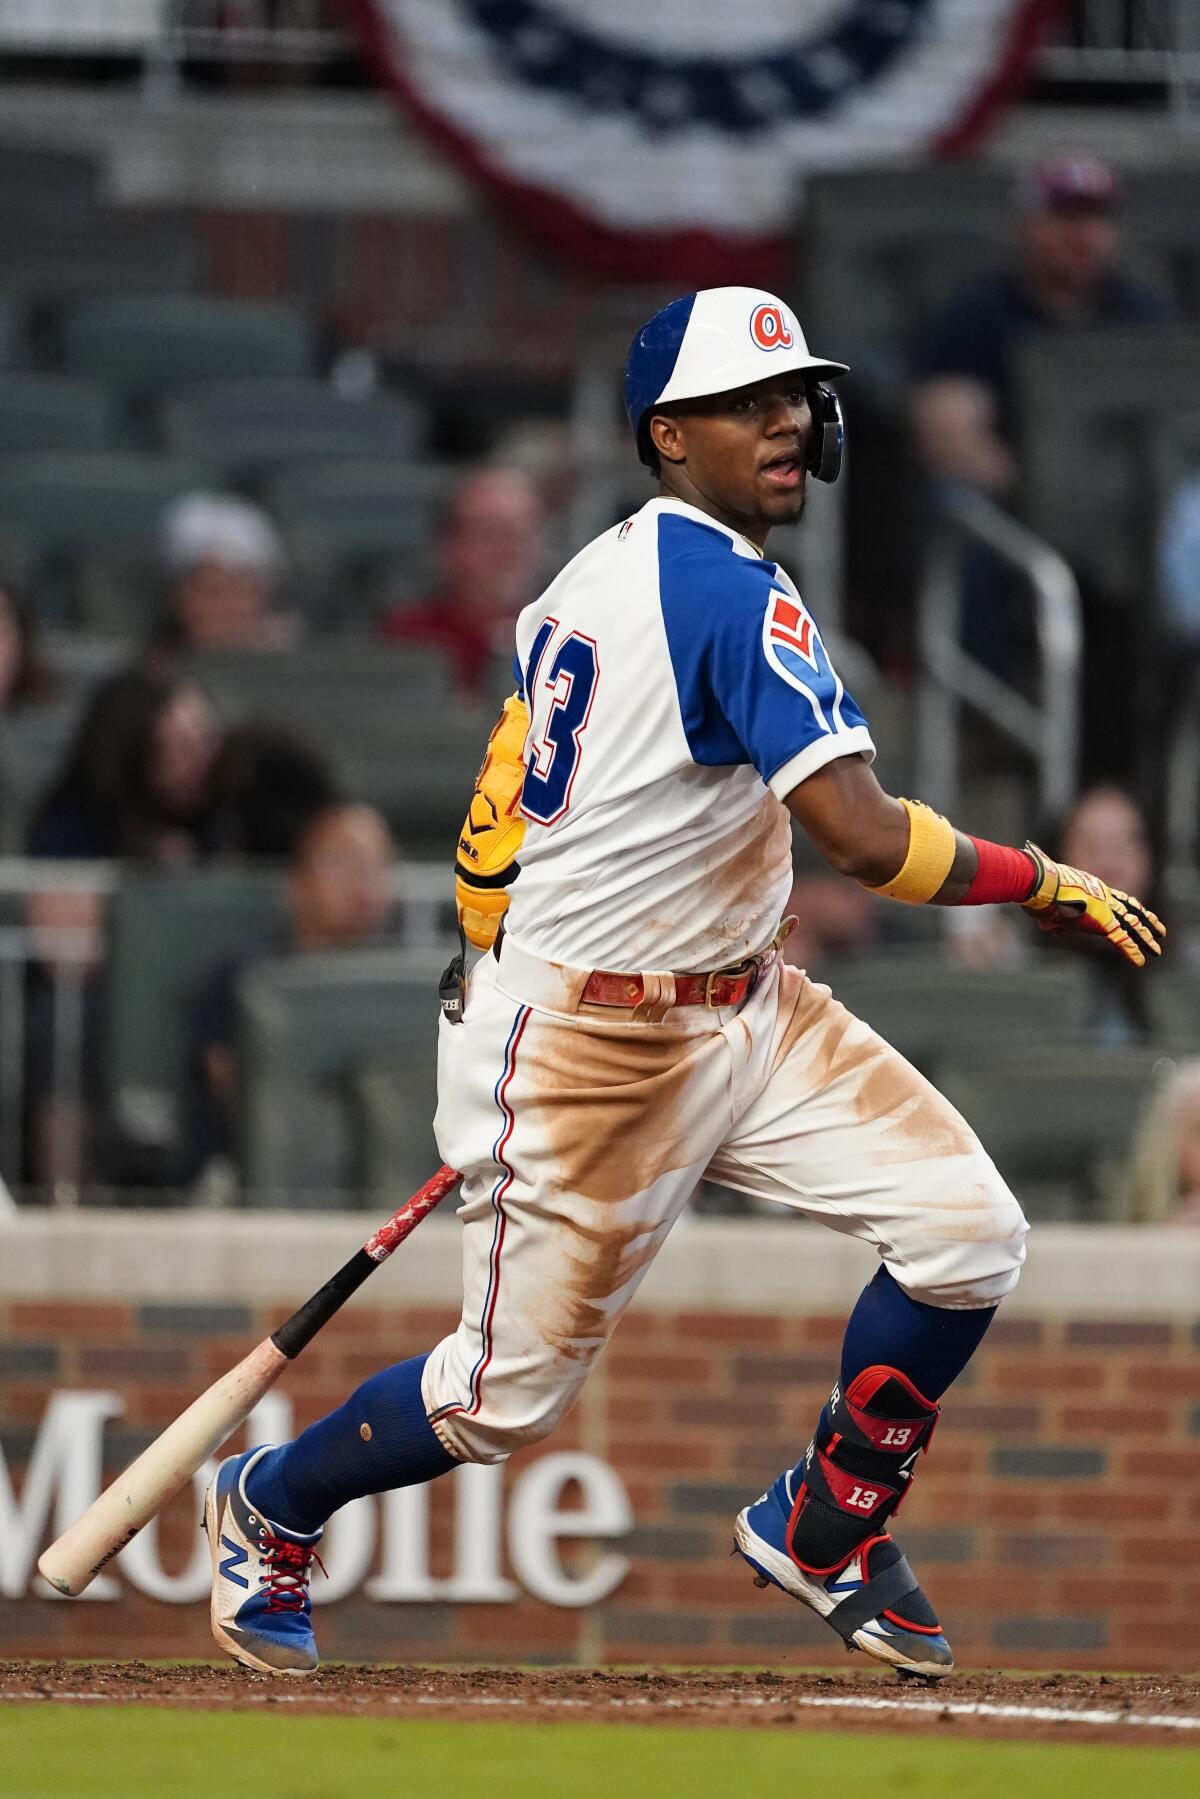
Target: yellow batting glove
<point>1070,899</point>
<point>493,829</point>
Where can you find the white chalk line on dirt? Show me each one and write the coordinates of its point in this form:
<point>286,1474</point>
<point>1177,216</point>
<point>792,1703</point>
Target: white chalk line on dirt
<point>942,1708</point>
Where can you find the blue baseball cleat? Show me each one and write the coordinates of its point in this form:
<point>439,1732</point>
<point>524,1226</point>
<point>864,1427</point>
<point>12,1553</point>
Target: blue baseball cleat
<point>873,1599</point>
<point>261,1610</point>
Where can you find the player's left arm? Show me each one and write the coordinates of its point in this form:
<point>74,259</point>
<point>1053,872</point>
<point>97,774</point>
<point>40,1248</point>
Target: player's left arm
<point>905,851</point>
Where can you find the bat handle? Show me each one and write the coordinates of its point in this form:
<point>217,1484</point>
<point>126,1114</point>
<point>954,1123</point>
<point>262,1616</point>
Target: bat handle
<point>304,1324</point>
<point>380,1244</point>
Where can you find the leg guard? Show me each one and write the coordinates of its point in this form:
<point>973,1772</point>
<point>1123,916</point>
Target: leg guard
<point>855,1475</point>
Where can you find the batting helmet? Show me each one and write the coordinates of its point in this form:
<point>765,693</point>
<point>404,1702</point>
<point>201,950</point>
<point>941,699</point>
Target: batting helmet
<point>722,338</point>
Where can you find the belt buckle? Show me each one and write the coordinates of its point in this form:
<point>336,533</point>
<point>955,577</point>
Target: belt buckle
<point>748,966</point>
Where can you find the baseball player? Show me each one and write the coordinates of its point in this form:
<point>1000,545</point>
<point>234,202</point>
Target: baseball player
<point>632,1028</point>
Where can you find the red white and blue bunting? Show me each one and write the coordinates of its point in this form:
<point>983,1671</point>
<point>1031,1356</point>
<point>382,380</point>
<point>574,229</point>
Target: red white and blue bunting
<point>655,137</point>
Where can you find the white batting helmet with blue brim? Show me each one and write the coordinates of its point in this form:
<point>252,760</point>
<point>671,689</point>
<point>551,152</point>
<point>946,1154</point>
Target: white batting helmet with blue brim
<point>711,342</point>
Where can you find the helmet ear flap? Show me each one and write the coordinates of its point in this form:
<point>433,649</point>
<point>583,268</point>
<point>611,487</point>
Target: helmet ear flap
<point>828,441</point>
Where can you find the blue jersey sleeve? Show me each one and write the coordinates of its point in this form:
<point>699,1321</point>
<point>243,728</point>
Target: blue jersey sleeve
<point>755,682</point>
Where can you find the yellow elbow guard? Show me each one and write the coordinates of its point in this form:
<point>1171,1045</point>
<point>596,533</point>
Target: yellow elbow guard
<point>493,829</point>
<point>932,846</point>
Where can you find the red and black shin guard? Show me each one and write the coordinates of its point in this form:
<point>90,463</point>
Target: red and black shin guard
<point>857,1470</point>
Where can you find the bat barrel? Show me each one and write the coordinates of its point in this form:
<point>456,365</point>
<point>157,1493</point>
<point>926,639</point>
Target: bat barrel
<point>74,1560</point>
<point>162,1470</point>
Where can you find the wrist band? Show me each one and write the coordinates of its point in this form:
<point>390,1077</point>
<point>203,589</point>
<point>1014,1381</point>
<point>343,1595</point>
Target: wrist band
<point>1004,876</point>
<point>932,846</point>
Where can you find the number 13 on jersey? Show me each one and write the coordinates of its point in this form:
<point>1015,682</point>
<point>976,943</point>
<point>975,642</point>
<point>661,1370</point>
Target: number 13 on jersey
<point>560,684</point>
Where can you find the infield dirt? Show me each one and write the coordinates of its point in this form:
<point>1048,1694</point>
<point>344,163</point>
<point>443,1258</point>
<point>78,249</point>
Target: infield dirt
<point>1064,1707</point>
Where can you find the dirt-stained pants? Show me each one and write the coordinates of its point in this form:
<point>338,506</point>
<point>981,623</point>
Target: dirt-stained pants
<point>581,1132</point>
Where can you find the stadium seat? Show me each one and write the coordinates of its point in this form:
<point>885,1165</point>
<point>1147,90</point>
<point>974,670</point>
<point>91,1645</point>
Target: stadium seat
<point>385,715</point>
<point>933,1011</point>
<point>136,345</point>
<point>357,515</point>
<point>68,501</point>
<point>52,412</point>
<point>244,427</point>
<point>1050,1117</point>
<point>82,659</point>
<point>59,255</point>
<point>165,933</point>
<point>392,1098</point>
<point>336,684</point>
<point>308,1026</point>
<point>40,180</point>
<point>81,527</point>
<point>1089,404</point>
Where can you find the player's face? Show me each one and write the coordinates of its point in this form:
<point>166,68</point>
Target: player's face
<point>741,455</point>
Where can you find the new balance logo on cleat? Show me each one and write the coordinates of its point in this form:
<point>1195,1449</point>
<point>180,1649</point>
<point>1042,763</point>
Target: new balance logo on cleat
<point>237,1559</point>
<point>261,1609</point>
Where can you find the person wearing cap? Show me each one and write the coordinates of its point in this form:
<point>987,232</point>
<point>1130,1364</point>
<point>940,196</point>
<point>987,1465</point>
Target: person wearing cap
<point>634,1028</point>
<point>222,560</point>
<point>1064,276</point>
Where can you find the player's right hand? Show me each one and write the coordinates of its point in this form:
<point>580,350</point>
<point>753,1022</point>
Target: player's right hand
<point>1070,899</point>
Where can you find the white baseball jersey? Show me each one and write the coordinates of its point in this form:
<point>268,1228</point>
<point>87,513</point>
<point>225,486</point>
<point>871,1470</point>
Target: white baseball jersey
<point>678,690</point>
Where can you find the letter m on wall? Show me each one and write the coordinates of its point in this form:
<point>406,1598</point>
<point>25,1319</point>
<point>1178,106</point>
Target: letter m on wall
<point>61,1481</point>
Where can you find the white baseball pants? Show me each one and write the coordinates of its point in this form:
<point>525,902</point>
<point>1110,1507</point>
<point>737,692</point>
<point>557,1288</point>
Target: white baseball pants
<point>582,1131</point>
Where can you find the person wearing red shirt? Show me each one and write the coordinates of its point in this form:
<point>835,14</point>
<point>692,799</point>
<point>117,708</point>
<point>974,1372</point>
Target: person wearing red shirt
<point>488,555</point>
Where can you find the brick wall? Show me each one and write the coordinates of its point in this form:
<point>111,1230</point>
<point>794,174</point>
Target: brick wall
<point>1054,1523</point>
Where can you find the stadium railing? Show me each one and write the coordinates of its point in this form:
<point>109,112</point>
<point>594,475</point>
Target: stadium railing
<point>953,681</point>
<point>64,955</point>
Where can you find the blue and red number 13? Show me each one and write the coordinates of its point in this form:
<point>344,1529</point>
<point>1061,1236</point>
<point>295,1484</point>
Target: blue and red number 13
<point>567,674</point>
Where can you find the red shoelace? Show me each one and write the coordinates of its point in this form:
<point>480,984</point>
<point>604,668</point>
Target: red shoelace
<point>286,1581</point>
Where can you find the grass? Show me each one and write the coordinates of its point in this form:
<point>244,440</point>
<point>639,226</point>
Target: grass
<point>53,1751</point>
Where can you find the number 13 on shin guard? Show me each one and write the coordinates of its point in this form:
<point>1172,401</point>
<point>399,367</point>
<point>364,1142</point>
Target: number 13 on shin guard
<point>560,685</point>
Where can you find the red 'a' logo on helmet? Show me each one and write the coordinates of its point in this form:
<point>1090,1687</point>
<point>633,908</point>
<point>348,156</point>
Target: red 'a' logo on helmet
<point>769,329</point>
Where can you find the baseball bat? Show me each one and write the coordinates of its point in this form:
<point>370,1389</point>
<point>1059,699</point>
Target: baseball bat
<point>111,1521</point>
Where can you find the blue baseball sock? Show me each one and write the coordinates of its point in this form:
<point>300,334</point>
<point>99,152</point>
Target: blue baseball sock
<point>929,1344</point>
<point>378,1440</point>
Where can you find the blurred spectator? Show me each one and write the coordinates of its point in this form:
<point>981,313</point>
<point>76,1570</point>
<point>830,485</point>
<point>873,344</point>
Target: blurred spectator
<point>134,785</point>
<point>222,559</point>
<point>488,552</point>
<point>835,919</point>
<point>267,784</point>
<point>135,781</point>
<point>984,936</point>
<point>1064,275</point>
<point>1162,1180</point>
<point>1106,833</point>
<point>339,897</point>
<point>25,677</point>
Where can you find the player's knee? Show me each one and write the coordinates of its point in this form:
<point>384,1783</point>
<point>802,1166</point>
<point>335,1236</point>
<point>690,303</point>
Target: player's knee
<point>491,1437</point>
<point>973,1246</point>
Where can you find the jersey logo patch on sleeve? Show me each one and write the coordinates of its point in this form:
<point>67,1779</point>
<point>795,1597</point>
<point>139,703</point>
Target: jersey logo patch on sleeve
<point>792,645</point>
<point>790,627</point>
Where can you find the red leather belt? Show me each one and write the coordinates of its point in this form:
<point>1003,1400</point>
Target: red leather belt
<point>724,987</point>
